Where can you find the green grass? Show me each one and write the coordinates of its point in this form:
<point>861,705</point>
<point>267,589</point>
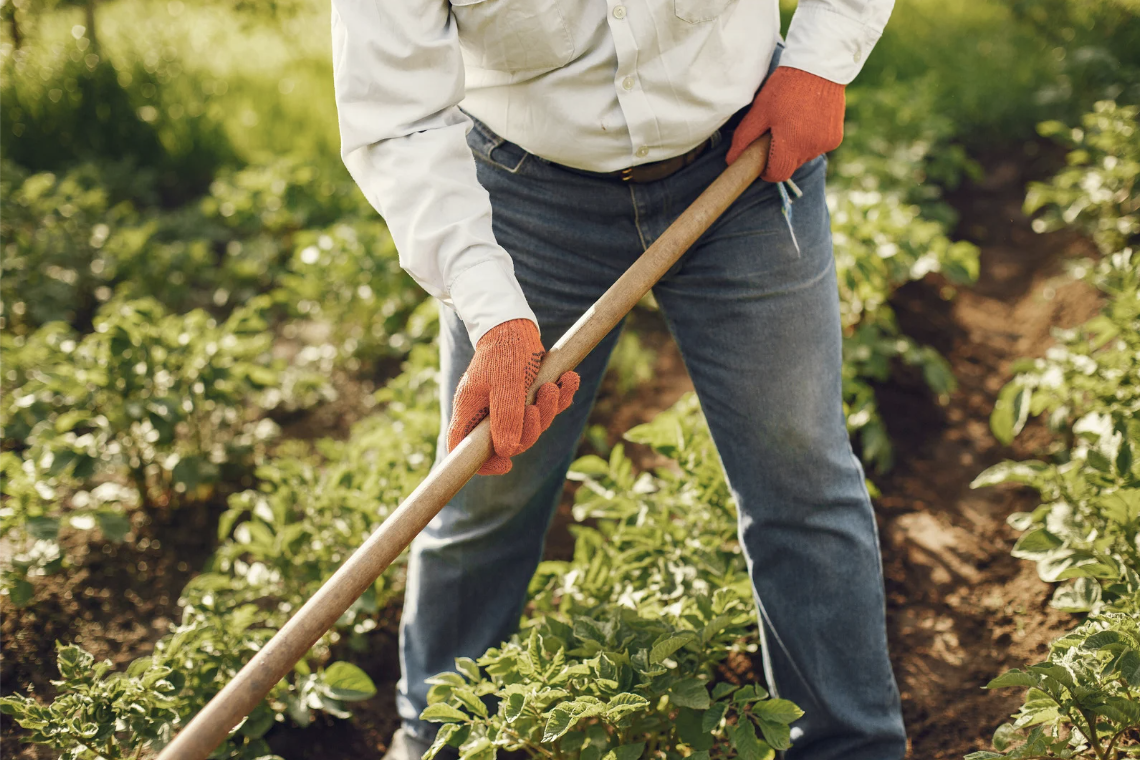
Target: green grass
<point>267,82</point>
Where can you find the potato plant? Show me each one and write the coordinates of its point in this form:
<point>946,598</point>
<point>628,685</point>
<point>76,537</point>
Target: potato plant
<point>32,520</point>
<point>347,279</point>
<point>283,539</point>
<point>617,655</point>
<point>279,543</point>
<point>163,399</point>
<point>1084,701</point>
<point>60,236</point>
<point>889,227</point>
<point>1098,191</point>
<point>104,715</point>
<point>149,409</point>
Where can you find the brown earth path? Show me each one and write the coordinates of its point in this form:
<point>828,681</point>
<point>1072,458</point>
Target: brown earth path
<point>961,610</point>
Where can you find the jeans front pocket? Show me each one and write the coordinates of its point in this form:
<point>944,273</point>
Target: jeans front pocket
<point>499,152</point>
<point>699,11</point>
<point>513,35</point>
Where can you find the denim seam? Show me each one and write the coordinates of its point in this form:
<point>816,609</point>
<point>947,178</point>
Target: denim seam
<point>787,653</point>
<point>486,133</point>
<point>637,219</point>
<point>504,167</point>
<point>492,141</point>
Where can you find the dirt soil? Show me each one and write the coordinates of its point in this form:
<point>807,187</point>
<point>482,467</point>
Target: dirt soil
<point>960,609</point>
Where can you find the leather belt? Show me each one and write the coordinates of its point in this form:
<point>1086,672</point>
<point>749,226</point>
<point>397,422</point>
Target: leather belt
<point>651,172</point>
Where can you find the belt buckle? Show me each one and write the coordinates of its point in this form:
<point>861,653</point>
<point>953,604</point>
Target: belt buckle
<point>627,174</point>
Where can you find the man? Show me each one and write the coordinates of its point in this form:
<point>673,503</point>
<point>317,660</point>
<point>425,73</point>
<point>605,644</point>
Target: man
<point>586,127</point>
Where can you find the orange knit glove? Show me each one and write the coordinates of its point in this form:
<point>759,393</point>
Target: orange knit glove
<point>505,365</point>
<point>805,115</point>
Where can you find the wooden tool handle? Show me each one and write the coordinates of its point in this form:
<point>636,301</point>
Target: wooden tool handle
<point>210,726</point>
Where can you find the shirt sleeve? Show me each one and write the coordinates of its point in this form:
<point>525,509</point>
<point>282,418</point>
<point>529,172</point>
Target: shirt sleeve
<point>398,79</point>
<point>832,38</point>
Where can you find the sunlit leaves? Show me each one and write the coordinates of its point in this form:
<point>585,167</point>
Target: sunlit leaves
<point>347,682</point>
<point>1083,700</point>
<point>442,713</point>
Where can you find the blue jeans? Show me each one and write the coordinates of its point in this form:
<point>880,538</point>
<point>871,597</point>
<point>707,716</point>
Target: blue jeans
<point>755,311</point>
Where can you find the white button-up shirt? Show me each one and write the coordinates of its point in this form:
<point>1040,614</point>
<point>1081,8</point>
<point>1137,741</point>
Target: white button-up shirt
<point>593,84</point>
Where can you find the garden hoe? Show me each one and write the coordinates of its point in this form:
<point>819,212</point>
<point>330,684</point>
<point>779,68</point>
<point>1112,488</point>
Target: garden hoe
<point>212,725</point>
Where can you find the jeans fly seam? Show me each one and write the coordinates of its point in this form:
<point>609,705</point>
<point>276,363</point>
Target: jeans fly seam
<point>637,219</point>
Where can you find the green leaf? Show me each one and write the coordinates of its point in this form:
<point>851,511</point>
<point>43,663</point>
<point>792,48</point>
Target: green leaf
<point>447,678</point>
<point>69,419</point>
<point>477,748</point>
<point>1010,472</point>
<point>42,528</point>
<point>345,681</point>
<point>1055,672</point>
<point>467,667</point>
<point>690,692</point>
<point>442,737</point>
<point>1102,639</point>
<point>625,752</point>
<point>669,643</point>
<point>573,741</point>
<point>1011,411</point>
<point>590,465</point>
<point>513,706</point>
<point>778,735</point>
<point>1129,667</point>
<point>690,729</point>
<point>470,701</point>
<point>258,722</point>
<point>21,592</point>
<point>713,716</point>
<point>1119,710</point>
<point>1079,595</point>
<point>722,689</point>
<point>625,703</point>
<point>749,693</point>
<point>557,724</point>
<point>563,717</point>
<point>442,712</point>
<point>778,711</point>
<point>1005,735</point>
<point>114,525</point>
<point>984,755</point>
<point>1035,543</point>
<point>1014,677</point>
<point>748,745</point>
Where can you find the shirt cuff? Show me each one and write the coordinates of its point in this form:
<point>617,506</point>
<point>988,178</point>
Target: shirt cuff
<point>486,295</point>
<point>827,44</point>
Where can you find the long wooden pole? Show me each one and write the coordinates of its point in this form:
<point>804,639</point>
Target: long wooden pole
<point>211,726</point>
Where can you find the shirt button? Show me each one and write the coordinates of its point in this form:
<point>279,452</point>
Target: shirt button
<point>642,152</point>
<point>619,12</point>
<point>627,83</point>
